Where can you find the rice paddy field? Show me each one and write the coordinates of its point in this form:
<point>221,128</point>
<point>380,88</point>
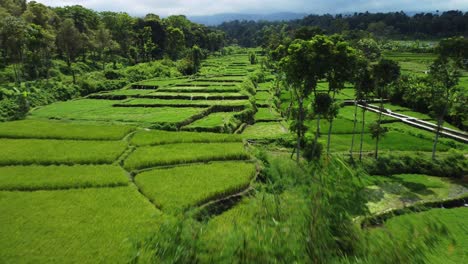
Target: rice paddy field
<point>94,175</point>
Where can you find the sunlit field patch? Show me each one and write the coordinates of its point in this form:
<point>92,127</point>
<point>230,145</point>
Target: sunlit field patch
<point>170,154</point>
<point>73,226</point>
<point>178,188</point>
<point>50,129</point>
<point>61,177</point>
<point>47,152</point>
<point>157,137</point>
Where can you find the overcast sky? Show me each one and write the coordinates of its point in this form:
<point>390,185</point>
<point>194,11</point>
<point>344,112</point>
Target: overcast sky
<point>210,7</point>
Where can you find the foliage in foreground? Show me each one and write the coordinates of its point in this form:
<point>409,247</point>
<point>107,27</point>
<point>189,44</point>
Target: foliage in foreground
<point>82,226</point>
<point>300,214</point>
<point>454,164</point>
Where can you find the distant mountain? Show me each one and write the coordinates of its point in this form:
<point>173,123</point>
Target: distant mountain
<point>217,19</point>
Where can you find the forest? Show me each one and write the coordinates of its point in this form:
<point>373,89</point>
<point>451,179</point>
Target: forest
<point>44,49</point>
<point>151,139</point>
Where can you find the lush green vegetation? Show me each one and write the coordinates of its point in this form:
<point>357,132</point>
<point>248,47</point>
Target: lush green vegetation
<point>102,110</point>
<point>62,130</point>
<point>400,190</point>
<point>91,180</point>
<point>392,141</point>
<point>143,138</point>
<point>220,122</point>
<point>61,177</point>
<point>451,250</point>
<point>175,189</point>
<point>181,103</point>
<point>52,54</point>
<point>170,154</point>
<point>266,114</point>
<point>47,152</point>
<point>265,130</point>
<point>36,224</point>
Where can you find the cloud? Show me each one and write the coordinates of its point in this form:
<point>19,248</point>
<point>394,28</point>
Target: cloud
<point>209,7</point>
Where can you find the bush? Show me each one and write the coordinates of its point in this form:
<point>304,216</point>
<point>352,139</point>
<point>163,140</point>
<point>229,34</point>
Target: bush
<point>312,150</point>
<point>454,164</point>
<point>112,75</point>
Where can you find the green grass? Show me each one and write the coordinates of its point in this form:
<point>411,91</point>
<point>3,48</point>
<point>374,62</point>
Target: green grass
<point>179,102</point>
<point>130,92</point>
<point>49,129</point>
<point>73,226</point>
<point>407,129</point>
<point>218,119</point>
<point>264,86</point>
<point>72,109</point>
<point>206,96</point>
<point>265,130</point>
<point>178,188</point>
<point>61,177</point>
<point>266,114</point>
<point>163,82</point>
<point>402,190</point>
<point>340,126</point>
<point>156,137</point>
<point>210,83</point>
<point>262,96</point>
<point>102,110</point>
<point>347,112</point>
<point>194,89</point>
<point>146,157</point>
<point>411,63</point>
<point>448,251</point>
<point>418,115</point>
<point>47,152</point>
<point>392,141</point>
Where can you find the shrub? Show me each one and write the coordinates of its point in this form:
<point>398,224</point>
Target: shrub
<point>112,75</point>
<point>454,164</point>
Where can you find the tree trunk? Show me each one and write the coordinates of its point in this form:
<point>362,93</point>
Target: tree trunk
<point>330,120</point>
<point>436,139</point>
<point>440,123</point>
<point>354,129</point>
<point>317,134</point>
<point>299,131</point>
<point>17,77</point>
<point>362,132</point>
<point>378,127</point>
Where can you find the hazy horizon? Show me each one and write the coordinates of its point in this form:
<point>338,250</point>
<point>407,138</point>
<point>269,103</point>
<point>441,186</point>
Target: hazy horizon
<point>262,7</point>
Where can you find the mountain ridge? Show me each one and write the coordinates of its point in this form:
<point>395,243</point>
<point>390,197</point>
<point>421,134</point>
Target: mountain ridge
<point>217,19</point>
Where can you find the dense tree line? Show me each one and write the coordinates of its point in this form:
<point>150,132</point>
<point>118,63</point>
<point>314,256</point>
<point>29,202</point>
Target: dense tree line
<point>32,35</point>
<point>301,63</point>
<point>49,54</point>
<point>396,25</point>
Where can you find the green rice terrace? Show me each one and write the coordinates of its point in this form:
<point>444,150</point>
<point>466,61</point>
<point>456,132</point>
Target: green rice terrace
<point>159,140</point>
<point>90,179</point>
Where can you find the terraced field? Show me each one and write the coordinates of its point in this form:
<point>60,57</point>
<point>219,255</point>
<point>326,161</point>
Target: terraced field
<point>93,175</point>
<point>88,175</point>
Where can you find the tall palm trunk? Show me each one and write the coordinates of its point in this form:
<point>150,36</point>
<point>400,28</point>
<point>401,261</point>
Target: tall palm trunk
<point>440,123</point>
<point>362,132</point>
<point>330,127</point>
<point>317,134</point>
<point>436,139</point>
<point>354,129</point>
<point>299,130</point>
<point>377,139</point>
